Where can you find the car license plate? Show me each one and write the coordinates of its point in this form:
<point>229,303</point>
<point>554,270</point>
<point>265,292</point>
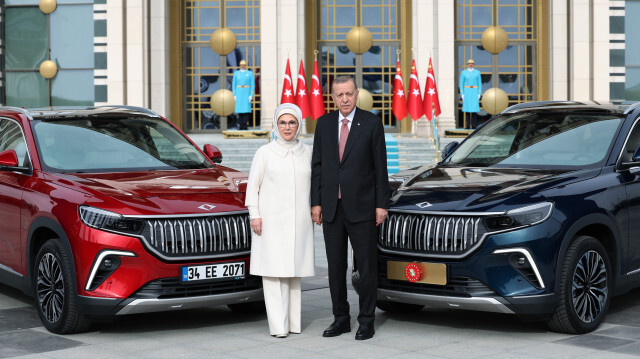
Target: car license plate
<point>420,272</point>
<point>228,270</point>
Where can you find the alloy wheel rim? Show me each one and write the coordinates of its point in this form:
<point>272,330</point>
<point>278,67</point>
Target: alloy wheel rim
<point>50,287</point>
<point>589,287</point>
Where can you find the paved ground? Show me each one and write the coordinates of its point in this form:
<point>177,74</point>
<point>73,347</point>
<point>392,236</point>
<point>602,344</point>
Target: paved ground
<point>219,333</point>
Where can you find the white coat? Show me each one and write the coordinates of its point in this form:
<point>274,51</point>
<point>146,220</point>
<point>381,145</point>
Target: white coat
<point>278,192</point>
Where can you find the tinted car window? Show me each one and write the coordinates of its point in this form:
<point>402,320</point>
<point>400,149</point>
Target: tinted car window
<point>99,145</point>
<point>533,139</point>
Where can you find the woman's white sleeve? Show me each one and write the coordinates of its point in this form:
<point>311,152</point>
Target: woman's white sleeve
<point>254,184</point>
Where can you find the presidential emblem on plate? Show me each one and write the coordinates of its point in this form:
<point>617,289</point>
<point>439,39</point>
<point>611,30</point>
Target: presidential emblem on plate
<point>412,272</point>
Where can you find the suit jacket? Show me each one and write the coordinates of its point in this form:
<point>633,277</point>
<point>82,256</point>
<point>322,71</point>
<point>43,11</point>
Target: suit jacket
<point>362,173</point>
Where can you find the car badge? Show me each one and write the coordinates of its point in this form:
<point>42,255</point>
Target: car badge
<point>412,272</point>
<point>207,207</point>
<point>424,204</point>
<point>222,179</point>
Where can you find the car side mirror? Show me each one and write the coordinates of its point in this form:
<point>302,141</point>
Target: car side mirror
<point>213,153</point>
<point>449,148</point>
<point>8,158</point>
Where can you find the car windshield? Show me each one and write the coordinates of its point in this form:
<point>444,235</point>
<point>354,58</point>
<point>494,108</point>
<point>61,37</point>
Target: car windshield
<point>114,145</point>
<point>539,140</point>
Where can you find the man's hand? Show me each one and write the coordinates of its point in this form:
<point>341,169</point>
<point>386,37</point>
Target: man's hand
<point>256,226</point>
<point>381,214</point>
<point>316,214</point>
<point>250,98</point>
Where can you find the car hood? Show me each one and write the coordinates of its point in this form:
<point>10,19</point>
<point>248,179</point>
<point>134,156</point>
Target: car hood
<point>478,189</point>
<point>157,183</point>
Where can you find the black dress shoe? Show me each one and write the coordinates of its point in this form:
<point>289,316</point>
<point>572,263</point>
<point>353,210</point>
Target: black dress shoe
<point>365,332</point>
<point>336,328</point>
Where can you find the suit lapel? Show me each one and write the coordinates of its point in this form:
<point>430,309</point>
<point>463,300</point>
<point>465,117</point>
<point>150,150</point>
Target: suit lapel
<point>354,133</point>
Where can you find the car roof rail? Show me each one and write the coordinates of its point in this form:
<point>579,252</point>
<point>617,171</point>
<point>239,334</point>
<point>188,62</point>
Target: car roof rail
<point>135,108</point>
<point>534,104</point>
<point>631,107</point>
<point>17,109</point>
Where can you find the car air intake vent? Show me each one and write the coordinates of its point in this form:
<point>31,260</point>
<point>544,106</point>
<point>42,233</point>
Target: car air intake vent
<point>433,235</point>
<point>187,238</point>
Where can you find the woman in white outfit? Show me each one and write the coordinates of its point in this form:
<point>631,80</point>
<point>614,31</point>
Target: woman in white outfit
<point>280,212</point>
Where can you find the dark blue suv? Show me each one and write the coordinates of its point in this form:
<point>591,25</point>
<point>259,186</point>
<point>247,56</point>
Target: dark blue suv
<point>537,213</point>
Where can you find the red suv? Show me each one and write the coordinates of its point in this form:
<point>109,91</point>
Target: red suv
<point>109,211</point>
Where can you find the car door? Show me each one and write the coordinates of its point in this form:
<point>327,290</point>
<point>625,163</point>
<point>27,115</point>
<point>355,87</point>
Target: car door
<point>11,190</point>
<point>631,181</point>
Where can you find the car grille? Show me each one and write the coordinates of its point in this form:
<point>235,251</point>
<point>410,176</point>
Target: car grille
<point>431,235</point>
<point>187,238</point>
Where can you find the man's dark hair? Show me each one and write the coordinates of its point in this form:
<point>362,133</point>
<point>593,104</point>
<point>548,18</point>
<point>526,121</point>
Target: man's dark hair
<point>343,79</point>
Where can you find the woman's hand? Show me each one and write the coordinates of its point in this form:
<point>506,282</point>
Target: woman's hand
<point>256,226</point>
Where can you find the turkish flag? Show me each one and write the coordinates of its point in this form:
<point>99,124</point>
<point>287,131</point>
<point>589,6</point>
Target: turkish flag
<point>415,97</point>
<point>431,104</point>
<point>287,87</point>
<point>399,102</point>
<point>317,99</point>
<point>302,98</point>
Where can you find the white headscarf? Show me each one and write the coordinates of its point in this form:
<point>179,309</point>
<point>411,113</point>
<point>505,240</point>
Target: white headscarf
<point>292,110</point>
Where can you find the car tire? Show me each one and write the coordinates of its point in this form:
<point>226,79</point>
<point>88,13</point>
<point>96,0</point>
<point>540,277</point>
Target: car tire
<point>54,289</point>
<point>248,308</point>
<point>395,307</point>
<point>584,289</point>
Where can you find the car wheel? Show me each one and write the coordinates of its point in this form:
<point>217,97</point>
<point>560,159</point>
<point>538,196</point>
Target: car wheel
<point>251,307</point>
<point>395,307</point>
<point>584,289</point>
<point>54,288</point>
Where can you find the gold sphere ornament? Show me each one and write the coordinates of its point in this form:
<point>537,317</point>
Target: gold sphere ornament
<point>222,102</point>
<point>48,6</point>
<point>359,40</point>
<point>48,69</point>
<point>494,39</point>
<point>365,100</point>
<point>494,100</point>
<point>223,41</point>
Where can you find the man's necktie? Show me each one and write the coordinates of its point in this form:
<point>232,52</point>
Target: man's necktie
<point>344,133</point>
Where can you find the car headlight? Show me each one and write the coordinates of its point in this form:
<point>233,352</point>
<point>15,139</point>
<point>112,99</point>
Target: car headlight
<point>109,221</point>
<point>520,217</point>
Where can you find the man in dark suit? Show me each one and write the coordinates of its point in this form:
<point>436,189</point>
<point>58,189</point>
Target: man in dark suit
<point>350,197</point>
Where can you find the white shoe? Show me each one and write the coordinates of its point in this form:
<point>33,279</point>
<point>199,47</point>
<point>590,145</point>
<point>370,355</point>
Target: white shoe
<point>281,335</point>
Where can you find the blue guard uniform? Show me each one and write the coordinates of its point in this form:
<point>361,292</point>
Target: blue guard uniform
<point>243,90</point>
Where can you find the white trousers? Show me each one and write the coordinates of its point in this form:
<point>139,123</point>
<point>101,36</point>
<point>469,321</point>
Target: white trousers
<point>283,300</point>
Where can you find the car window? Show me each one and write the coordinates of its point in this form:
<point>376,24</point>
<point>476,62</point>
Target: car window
<point>11,138</point>
<point>540,140</point>
<point>131,144</point>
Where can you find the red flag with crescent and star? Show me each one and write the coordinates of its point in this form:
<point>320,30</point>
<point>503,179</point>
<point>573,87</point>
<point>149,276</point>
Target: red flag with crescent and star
<point>287,87</point>
<point>399,101</point>
<point>414,100</point>
<point>302,98</point>
<point>317,98</point>
<point>431,104</point>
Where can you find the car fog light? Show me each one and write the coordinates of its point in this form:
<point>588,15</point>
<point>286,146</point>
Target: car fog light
<point>521,260</point>
<point>107,262</point>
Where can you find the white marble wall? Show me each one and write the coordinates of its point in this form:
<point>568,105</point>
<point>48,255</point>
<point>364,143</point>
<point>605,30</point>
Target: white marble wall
<point>138,54</point>
<point>283,36</point>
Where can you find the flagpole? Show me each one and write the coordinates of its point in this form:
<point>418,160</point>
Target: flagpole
<point>413,123</point>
